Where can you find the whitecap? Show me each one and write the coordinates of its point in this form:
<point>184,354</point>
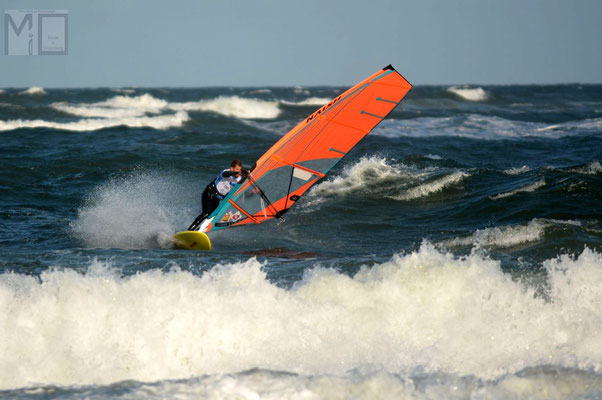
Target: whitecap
<point>233,106</point>
<point>34,90</point>
<point>428,188</point>
<point>523,189</point>
<point>517,171</point>
<point>374,175</point>
<point>311,101</point>
<point>470,94</point>
<point>509,235</point>
<point>92,124</point>
<point>593,168</point>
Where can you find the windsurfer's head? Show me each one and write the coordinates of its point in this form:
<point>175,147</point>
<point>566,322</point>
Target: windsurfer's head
<point>236,166</point>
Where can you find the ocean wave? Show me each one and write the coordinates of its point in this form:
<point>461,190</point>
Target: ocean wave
<point>586,124</point>
<point>124,90</point>
<point>433,186</point>
<point>300,90</point>
<point>34,90</point>
<point>377,176</point>
<point>115,107</point>
<point>233,106</point>
<point>509,236</point>
<point>367,174</point>
<point>260,91</point>
<point>593,168</point>
<point>426,310</point>
<point>517,171</point>
<point>540,383</point>
<point>470,94</point>
<point>120,106</point>
<point>523,189</point>
<point>477,126</point>
<point>311,101</point>
<point>92,124</point>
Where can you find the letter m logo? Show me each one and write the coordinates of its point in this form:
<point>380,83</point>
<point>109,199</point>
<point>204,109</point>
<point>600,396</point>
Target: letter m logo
<point>20,33</point>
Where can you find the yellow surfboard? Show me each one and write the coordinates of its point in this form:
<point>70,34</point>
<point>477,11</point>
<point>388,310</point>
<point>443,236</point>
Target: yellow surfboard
<point>192,240</point>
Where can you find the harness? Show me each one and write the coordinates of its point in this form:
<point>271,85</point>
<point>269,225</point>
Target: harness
<point>213,191</point>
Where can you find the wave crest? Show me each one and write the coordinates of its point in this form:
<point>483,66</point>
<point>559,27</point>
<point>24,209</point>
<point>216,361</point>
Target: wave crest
<point>509,236</point>
<point>426,310</point>
<point>523,189</point>
<point>34,90</point>
<point>470,94</point>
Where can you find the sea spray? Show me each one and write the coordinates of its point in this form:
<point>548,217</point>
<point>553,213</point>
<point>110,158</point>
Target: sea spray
<point>140,210</point>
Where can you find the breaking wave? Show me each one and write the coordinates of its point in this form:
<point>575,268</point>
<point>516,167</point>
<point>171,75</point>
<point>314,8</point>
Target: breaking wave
<point>476,126</point>
<point>523,189</point>
<point>92,124</point>
<point>432,186</point>
<point>366,175</point>
<point>146,111</point>
<point>377,176</point>
<point>34,90</point>
<point>312,101</point>
<point>592,168</point>
<point>509,236</point>
<point>460,316</point>
<point>517,171</point>
<point>470,94</point>
<point>231,106</point>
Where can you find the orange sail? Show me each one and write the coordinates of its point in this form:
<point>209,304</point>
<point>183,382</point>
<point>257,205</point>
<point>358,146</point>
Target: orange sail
<point>306,153</point>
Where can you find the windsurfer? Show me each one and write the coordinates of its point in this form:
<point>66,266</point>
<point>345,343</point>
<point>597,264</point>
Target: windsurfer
<point>219,188</point>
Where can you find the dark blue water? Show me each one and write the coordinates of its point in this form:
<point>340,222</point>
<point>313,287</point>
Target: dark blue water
<point>456,250</point>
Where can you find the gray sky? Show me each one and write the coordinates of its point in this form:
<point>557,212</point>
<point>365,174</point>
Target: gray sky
<point>274,43</point>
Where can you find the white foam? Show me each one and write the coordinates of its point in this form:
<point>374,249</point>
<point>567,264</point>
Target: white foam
<point>517,171</point>
<point>535,383</point>
<point>431,187</point>
<point>92,124</point>
<point>2,91</point>
<point>134,111</point>
<point>124,90</point>
<point>427,311</point>
<point>141,210</point>
<point>116,107</point>
<point>260,91</point>
<point>311,101</point>
<point>233,106</point>
<point>471,94</point>
<point>510,235</point>
<point>523,189</point>
<point>374,175</point>
<point>34,90</point>
<point>482,127</point>
<point>300,90</point>
<point>593,168</point>
<point>378,176</point>
<point>593,124</point>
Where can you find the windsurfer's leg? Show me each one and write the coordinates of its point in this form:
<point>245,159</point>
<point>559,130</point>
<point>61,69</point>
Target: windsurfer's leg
<point>207,203</point>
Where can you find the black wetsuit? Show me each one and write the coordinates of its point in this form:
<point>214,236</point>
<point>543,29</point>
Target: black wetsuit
<point>210,200</point>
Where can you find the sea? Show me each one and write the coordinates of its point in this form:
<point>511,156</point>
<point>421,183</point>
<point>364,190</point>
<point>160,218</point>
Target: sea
<point>454,253</point>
